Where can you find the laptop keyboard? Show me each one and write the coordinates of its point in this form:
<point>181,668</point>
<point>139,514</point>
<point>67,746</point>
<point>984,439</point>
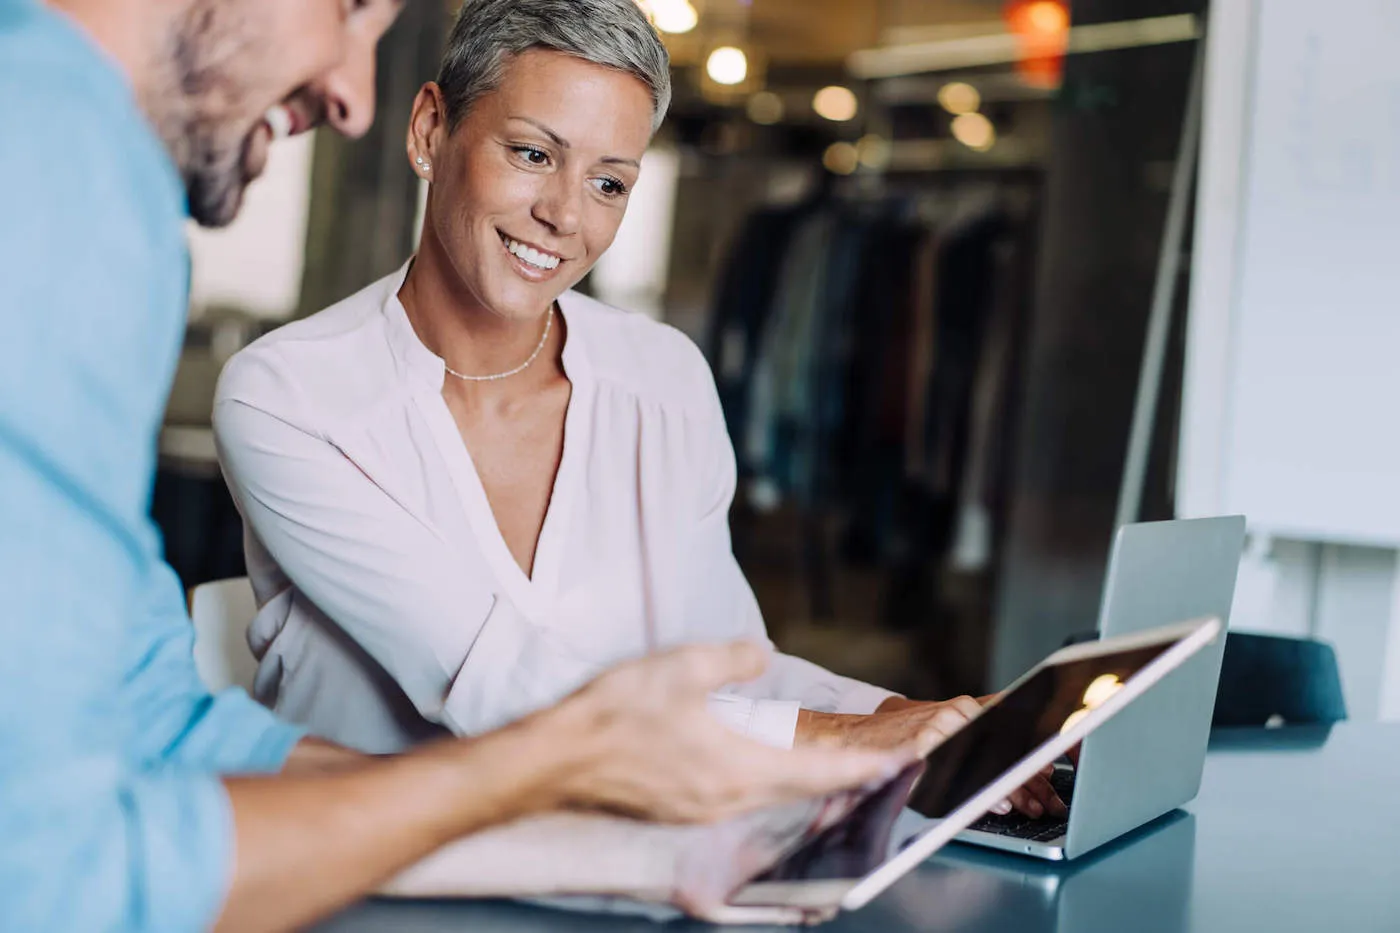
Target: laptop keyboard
<point>1019,826</point>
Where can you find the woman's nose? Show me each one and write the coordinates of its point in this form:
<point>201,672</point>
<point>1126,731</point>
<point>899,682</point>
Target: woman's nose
<point>559,206</point>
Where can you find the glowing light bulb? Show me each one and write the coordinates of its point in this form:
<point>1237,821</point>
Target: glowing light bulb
<point>727,65</point>
<point>841,158</point>
<point>836,103</point>
<point>974,131</point>
<point>766,108</point>
<point>674,16</point>
<point>959,97</point>
<point>1047,16</point>
<point>874,152</point>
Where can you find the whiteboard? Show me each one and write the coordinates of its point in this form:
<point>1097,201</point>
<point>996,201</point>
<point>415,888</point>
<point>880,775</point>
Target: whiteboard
<point>1295,327</point>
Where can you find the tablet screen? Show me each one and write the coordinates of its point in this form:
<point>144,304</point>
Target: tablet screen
<point>1053,699</point>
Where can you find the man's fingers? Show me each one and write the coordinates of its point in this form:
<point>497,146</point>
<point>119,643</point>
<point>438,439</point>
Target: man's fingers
<point>815,772</point>
<point>706,668</point>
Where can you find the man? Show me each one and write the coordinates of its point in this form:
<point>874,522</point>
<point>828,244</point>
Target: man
<point>129,798</point>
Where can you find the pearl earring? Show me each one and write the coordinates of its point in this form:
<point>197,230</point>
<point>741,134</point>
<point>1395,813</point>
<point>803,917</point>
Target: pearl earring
<point>422,163</point>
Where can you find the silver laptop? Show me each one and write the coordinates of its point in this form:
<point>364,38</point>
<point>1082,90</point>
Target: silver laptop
<point>1148,760</point>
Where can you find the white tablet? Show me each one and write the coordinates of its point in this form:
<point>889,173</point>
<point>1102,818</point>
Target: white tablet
<point>1036,720</point>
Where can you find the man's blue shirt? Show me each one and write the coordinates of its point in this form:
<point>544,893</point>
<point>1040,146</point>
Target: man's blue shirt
<point>111,813</point>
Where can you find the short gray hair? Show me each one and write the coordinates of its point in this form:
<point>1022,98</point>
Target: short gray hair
<point>612,33</point>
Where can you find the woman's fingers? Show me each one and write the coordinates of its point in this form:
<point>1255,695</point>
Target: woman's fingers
<point>1041,787</point>
<point>1027,803</point>
<point>1037,798</point>
<point>966,705</point>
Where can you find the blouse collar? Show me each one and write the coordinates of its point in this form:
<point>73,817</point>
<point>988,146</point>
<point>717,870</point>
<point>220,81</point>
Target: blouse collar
<point>419,365</point>
<point>415,362</point>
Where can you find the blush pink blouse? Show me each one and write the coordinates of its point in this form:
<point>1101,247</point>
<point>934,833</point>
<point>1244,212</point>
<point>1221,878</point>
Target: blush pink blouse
<point>390,606</point>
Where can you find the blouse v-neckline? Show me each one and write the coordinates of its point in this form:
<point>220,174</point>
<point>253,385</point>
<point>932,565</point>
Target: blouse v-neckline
<point>531,593</point>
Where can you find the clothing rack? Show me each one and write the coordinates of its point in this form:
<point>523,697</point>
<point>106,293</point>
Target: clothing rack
<point>820,452</point>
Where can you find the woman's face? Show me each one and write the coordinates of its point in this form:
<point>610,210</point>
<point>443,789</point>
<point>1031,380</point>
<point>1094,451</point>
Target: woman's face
<point>530,189</point>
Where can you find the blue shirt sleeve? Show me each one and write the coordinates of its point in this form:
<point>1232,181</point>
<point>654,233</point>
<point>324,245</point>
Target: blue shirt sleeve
<point>181,722</point>
<point>103,826</point>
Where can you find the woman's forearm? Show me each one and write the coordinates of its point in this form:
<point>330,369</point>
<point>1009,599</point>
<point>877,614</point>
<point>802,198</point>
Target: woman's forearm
<point>815,728</point>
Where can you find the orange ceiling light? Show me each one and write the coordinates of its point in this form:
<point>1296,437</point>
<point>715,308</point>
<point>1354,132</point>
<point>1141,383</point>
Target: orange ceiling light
<point>1041,28</point>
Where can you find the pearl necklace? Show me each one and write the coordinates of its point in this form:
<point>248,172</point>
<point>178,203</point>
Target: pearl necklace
<point>548,323</point>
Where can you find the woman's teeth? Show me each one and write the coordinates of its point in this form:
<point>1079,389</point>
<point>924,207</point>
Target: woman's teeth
<point>530,255</point>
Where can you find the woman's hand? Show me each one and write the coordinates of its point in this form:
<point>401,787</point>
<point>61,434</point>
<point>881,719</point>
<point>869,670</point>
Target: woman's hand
<point>899,722</point>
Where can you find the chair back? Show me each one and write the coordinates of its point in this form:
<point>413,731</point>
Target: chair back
<point>222,611</point>
<point>1271,680</point>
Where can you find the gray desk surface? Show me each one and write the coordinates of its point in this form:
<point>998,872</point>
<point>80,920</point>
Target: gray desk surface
<point>1293,830</point>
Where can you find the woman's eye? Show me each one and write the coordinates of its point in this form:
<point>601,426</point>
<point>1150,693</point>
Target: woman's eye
<point>532,155</point>
<point>610,186</point>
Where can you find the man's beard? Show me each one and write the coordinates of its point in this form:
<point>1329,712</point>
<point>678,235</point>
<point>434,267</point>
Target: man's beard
<point>215,180</point>
<point>196,101</point>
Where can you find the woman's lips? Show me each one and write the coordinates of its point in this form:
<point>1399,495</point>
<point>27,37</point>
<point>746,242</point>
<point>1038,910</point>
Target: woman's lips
<point>531,263</point>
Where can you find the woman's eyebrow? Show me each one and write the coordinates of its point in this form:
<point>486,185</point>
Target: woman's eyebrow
<point>563,143</point>
<point>558,140</point>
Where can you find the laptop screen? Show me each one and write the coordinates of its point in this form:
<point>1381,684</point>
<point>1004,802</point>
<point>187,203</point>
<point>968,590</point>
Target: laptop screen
<point>1051,700</point>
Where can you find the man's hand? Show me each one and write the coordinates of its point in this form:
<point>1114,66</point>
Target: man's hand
<point>926,725</point>
<point>650,748</point>
<point>638,741</point>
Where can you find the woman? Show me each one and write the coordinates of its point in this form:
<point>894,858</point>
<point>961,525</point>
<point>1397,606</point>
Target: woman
<point>468,489</point>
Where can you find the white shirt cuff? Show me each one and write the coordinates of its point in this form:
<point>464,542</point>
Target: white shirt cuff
<point>772,722</point>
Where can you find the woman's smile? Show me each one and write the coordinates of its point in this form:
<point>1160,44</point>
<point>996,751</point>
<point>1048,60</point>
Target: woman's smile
<point>531,262</point>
